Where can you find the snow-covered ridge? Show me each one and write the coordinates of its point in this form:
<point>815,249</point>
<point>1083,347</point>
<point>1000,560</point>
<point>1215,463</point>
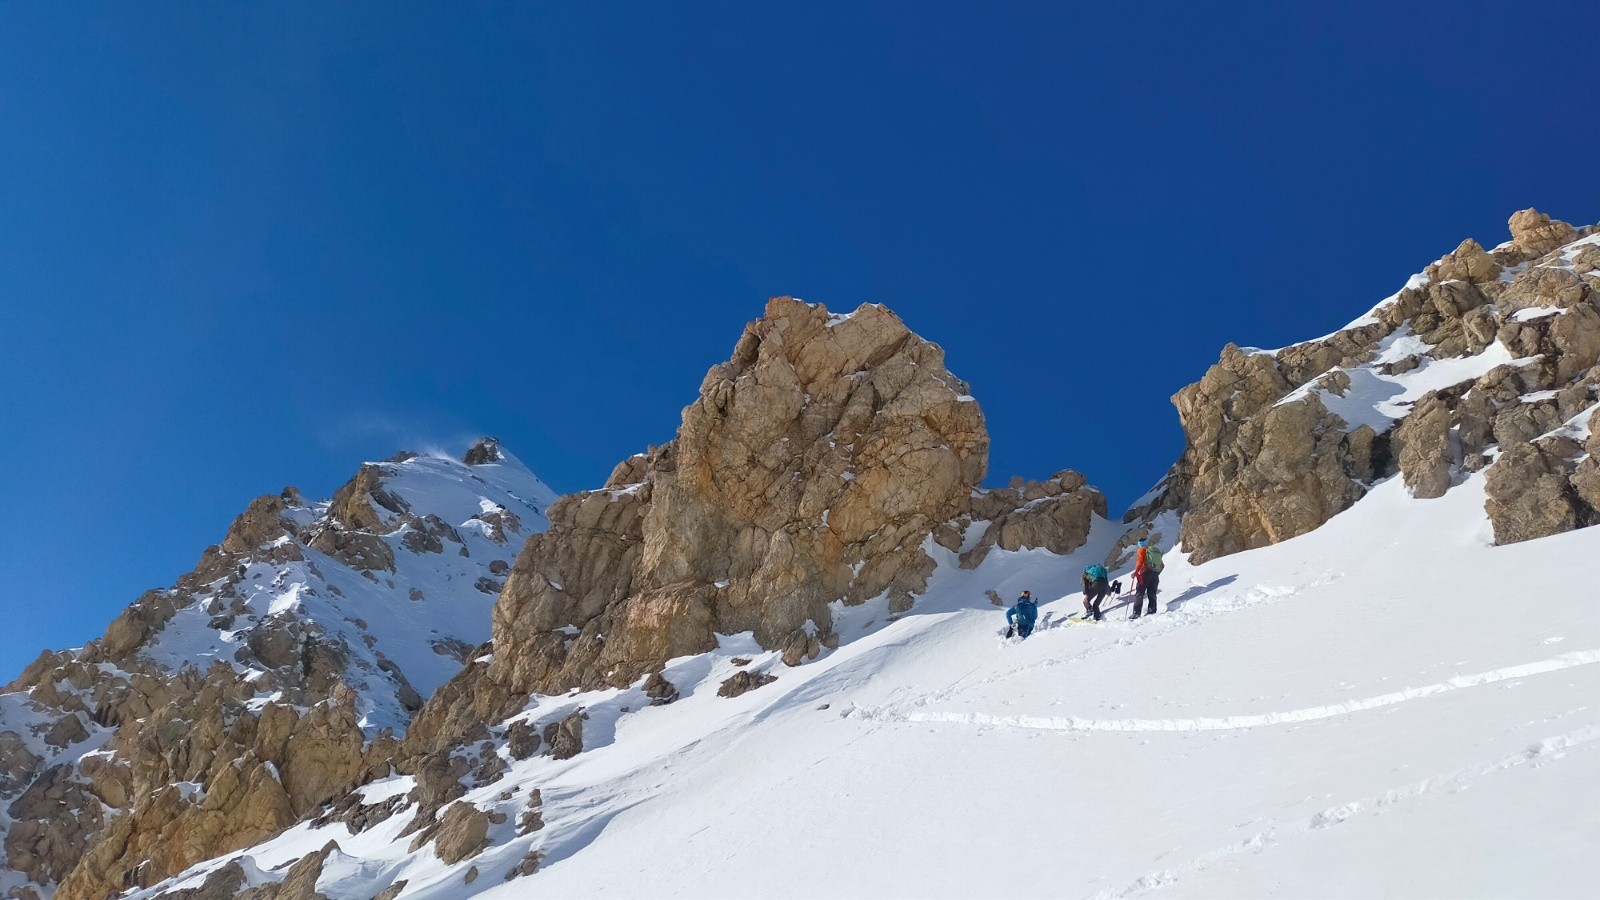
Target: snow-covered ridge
<point>324,621</point>
<point>1484,361</point>
<point>403,631</point>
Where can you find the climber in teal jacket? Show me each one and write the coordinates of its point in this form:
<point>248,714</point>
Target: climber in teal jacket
<point>1022,616</point>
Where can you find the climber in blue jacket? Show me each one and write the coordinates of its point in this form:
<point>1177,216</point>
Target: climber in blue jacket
<point>1020,618</point>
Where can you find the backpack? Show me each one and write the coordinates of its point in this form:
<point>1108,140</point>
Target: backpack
<point>1152,559</point>
<point>1095,572</point>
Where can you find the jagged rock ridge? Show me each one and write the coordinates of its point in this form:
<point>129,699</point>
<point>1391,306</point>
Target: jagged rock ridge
<point>1486,359</point>
<point>271,679</point>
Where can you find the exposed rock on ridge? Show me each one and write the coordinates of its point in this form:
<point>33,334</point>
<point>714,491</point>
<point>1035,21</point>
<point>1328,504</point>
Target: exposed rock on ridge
<point>248,695</point>
<point>1279,442</point>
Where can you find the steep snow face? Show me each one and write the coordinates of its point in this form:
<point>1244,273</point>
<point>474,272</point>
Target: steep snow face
<point>401,632</point>
<point>1389,704</point>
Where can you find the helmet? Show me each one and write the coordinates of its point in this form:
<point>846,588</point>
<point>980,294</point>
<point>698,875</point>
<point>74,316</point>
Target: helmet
<point>1143,542</point>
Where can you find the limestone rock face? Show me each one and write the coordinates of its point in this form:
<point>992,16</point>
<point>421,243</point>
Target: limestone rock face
<point>1536,234</point>
<point>1425,456</point>
<point>810,469</point>
<point>462,833</point>
<point>1281,441</point>
<point>1531,493</point>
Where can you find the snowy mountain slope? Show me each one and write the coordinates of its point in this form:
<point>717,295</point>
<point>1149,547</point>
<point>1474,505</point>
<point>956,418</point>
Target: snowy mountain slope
<point>403,631</point>
<point>1376,614</point>
<point>310,625</point>
<point>1313,718</point>
<point>1487,360</point>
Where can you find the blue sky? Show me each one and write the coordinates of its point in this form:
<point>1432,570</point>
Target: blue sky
<point>244,246</point>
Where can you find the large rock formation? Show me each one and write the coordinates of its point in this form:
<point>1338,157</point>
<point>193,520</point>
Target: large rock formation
<point>1488,356</point>
<point>239,701</point>
<point>812,468</point>
<point>832,460</point>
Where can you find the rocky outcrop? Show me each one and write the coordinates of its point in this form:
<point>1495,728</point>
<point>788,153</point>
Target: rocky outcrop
<point>1534,234</point>
<point>1056,515</point>
<point>281,719</point>
<point>1426,457</point>
<point>1279,442</point>
<point>743,682</point>
<point>461,833</point>
<point>811,469</point>
<point>566,736</point>
<point>484,451</point>
<point>1261,466</point>
<point>1531,491</point>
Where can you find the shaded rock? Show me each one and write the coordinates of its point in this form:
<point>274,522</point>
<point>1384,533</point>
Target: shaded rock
<point>660,690</point>
<point>1586,481</point>
<point>223,884</point>
<point>17,764</point>
<point>522,739</point>
<point>1530,495</point>
<point>300,883</point>
<point>438,776</point>
<point>532,818</point>
<point>67,730</point>
<point>799,647</point>
<point>743,682</point>
<point>463,832</point>
<point>484,451</point>
<point>566,737</point>
<point>528,865</point>
<point>1423,441</point>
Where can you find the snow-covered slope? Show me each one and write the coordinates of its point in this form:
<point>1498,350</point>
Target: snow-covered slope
<point>311,626</point>
<point>455,530</point>
<point>1388,705</point>
<point>1373,672</point>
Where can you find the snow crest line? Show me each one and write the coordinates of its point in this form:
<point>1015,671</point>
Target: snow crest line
<point>1226,723</point>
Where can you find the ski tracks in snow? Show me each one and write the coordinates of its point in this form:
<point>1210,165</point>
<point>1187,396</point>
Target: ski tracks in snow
<point>1540,753</point>
<point>1227,723</point>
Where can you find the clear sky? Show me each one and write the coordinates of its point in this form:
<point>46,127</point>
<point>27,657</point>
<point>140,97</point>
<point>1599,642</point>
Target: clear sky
<point>250,245</point>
